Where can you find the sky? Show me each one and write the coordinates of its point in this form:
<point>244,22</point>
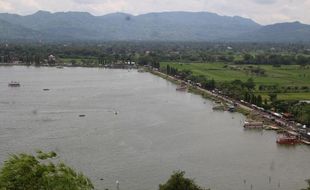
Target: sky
<point>261,11</point>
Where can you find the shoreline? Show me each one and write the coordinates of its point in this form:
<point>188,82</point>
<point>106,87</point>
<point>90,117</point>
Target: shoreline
<point>249,113</point>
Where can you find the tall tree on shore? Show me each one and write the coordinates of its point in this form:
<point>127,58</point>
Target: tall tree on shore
<point>27,172</point>
<point>308,188</point>
<point>177,181</point>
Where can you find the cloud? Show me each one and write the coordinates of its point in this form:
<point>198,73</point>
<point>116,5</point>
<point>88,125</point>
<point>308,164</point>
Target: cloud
<point>265,1</point>
<point>262,11</point>
<point>89,1</point>
<point>6,6</point>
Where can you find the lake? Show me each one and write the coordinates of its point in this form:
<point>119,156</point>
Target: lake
<point>138,129</point>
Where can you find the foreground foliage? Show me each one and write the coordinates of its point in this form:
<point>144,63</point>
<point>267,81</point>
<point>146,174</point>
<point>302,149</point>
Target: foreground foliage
<point>177,181</point>
<point>308,188</point>
<point>27,172</point>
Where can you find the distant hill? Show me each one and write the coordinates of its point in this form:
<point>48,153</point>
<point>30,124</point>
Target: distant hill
<point>282,32</point>
<point>10,31</point>
<point>166,26</point>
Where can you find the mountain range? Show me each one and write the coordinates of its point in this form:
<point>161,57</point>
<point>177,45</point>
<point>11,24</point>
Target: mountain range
<point>165,26</point>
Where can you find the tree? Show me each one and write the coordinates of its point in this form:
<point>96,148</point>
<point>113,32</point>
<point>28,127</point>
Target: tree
<point>308,188</point>
<point>259,100</point>
<point>177,181</point>
<point>250,84</point>
<point>273,97</point>
<point>168,70</point>
<point>25,172</point>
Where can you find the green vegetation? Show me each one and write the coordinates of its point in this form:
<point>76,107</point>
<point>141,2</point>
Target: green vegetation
<point>288,75</point>
<point>308,188</point>
<point>27,172</point>
<point>177,181</point>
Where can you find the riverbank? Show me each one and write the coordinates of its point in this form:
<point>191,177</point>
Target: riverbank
<point>204,93</point>
<point>250,113</point>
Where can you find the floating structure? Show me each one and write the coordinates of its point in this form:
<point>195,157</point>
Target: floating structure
<point>231,109</point>
<point>14,84</point>
<point>287,139</point>
<point>219,107</point>
<point>305,142</point>
<point>59,67</point>
<point>272,127</point>
<point>253,125</point>
<point>141,70</point>
<point>182,87</point>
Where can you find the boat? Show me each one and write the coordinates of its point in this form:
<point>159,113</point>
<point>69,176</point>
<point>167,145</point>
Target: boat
<point>141,70</point>
<point>14,84</point>
<point>253,125</point>
<point>219,107</point>
<point>305,142</point>
<point>287,139</point>
<point>231,109</point>
<point>181,88</point>
<point>59,67</point>
<point>271,127</point>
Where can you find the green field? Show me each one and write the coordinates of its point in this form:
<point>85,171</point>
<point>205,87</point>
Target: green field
<point>289,75</point>
<point>289,96</point>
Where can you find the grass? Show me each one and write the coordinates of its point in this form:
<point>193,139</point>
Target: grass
<point>289,96</point>
<point>289,75</point>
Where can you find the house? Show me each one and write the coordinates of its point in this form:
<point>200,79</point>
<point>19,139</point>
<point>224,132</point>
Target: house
<point>51,59</point>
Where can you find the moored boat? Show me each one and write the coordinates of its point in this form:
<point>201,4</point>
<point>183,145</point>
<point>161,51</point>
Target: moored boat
<point>141,70</point>
<point>271,127</point>
<point>219,107</point>
<point>181,88</point>
<point>14,84</point>
<point>305,142</point>
<point>253,125</point>
<point>287,139</point>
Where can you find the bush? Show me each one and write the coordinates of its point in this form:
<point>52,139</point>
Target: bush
<point>23,172</point>
<point>177,181</point>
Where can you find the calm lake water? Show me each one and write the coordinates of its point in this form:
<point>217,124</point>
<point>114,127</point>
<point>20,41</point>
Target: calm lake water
<point>157,130</point>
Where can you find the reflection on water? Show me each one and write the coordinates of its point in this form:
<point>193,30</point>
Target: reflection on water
<point>156,130</point>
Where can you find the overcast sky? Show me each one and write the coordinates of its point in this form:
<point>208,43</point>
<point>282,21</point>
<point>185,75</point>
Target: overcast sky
<point>262,11</point>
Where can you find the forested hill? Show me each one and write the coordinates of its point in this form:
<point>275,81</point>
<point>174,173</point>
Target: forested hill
<point>166,26</point>
<point>281,32</point>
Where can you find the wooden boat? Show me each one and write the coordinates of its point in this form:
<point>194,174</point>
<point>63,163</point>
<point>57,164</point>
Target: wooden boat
<point>306,142</point>
<point>181,88</point>
<point>141,70</point>
<point>287,139</point>
<point>219,107</point>
<point>253,125</point>
<point>271,127</point>
<point>14,84</point>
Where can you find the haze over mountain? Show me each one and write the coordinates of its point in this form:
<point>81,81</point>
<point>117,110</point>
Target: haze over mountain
<point>166,26</point>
